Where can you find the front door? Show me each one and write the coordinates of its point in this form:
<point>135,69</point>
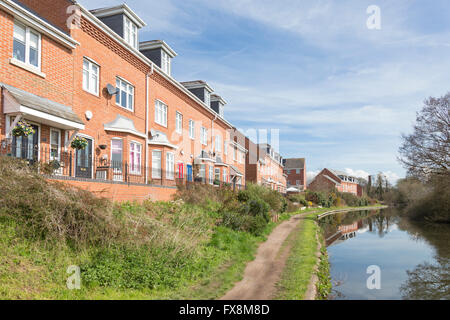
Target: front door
<point>84,162</point>
<point>189,173</point>
<point>27,147</point>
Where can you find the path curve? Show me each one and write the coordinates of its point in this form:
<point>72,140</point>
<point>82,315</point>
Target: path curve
<point>262,274</point>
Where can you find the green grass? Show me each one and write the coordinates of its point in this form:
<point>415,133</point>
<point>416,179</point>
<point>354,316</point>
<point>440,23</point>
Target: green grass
<point>303,259</point>
<point>30,269</point>
<point>301,262</point>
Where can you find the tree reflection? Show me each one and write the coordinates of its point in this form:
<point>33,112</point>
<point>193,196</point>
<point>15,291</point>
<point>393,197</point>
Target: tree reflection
<point>428,282</point>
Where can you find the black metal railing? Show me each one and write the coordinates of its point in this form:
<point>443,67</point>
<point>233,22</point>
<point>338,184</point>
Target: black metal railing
<point>82,165</point>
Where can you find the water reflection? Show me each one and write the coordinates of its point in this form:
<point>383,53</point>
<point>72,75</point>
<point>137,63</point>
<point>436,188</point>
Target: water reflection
<point>414,258</point>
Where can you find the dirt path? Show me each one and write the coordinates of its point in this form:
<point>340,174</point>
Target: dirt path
<point>262,274</point>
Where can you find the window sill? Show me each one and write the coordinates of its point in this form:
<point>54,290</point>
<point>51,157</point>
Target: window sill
<point>27,67</point>
<point>162,125</point>
<point>92,94</point>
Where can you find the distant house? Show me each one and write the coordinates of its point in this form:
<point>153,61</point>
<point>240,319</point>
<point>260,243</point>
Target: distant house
<point>329,179</point>
<point>295,169</point>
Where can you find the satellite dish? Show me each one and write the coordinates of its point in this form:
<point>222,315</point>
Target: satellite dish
<point>153,133</point>
<point>111,89</point>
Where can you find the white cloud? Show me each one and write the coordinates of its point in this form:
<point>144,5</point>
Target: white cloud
<point>310,175</point>
<point>357,173</point>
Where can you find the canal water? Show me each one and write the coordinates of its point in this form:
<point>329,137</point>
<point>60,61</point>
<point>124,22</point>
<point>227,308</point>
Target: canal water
<point>382,255</point>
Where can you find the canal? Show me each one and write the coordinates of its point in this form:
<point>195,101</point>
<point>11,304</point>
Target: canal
<point>382,255</point>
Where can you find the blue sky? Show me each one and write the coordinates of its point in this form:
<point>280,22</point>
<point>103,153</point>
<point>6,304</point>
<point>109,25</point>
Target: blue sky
<point>340,94</point>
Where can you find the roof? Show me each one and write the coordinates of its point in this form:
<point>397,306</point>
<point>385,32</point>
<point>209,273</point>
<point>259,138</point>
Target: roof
<point>216,97</point>
<point>123,124</point>
<point>120,9</point>
<point>341,173</point>
<point>156,44</point>
<point>197,84</point>
<point>235,171</point>
<point>44,105</point>
<point>331,179</point>
<point>38,15</point>
<point>294,163</point>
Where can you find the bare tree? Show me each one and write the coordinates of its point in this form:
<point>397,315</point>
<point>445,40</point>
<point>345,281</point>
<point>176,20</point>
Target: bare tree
<point>427,150</point>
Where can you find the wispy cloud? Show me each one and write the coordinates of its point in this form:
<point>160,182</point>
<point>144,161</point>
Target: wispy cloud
<point>340,94</point>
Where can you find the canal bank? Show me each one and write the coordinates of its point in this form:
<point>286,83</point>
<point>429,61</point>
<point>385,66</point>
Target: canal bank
<point>285,263</point>
<point>306,275</point>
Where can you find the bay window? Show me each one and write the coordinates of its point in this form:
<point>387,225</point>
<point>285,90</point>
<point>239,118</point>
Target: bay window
<point>156,164</point>
<point>135,157</point>
<point>170,166</point>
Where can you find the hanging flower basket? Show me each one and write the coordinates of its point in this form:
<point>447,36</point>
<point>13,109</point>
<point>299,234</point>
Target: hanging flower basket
<point>22,129</point>
<point>79,143</point>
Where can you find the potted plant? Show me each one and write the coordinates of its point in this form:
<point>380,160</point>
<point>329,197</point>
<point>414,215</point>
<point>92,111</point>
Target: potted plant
<point>22,129</point>
<point>79,143</point>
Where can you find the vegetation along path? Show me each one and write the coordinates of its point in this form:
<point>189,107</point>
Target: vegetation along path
<point>262,274</point>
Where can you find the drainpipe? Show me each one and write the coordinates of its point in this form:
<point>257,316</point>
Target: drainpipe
<point>147,77</point>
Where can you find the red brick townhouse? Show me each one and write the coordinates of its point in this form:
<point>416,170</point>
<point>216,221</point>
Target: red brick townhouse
<point>239,154</point>
<point>264,166</point>
<point>295,169</point>
<point>36,82</point>
<point>142,126</point>
<point>329,179</point>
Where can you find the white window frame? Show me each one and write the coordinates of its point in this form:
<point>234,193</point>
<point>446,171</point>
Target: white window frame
<point>204,136</point>
<point>132,168</point>
<point>87,86</point>
<point>218,143</point>
<point>225,175</point>
<point>161,110</point>
<point>192,129</point>
<point>117,172</point>
<point>129,90</point>
<point>211,174</point>
<point>166,62</point>
<point>130,32</point>
<point>29,30</point>
<point>58,157</point>
<point>207,98</point>
<point>170,166</point>
<point>179,122</point>
<point>155,174</point>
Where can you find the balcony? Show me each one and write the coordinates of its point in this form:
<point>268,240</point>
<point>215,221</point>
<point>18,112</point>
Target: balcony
<point>79,165</point>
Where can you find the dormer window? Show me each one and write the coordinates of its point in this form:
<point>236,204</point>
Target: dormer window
<point>165,62</point>
<point>130,33</point>
<point>207,98</point>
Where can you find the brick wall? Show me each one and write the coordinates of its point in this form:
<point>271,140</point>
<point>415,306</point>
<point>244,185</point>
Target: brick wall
<point>51,10</point>
<point>56,63</point>
<point>123,193</point>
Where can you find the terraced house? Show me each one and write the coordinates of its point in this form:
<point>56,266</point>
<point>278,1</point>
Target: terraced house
<point>70,73</point>
<point>329,179</point>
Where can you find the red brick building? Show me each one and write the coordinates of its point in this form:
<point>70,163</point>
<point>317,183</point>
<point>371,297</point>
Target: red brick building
<point>329,179</point>
<point>295,169</point>
<point>264,166</point>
